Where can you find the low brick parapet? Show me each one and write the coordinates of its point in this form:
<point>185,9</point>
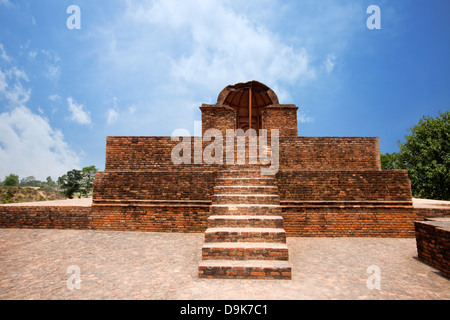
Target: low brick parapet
<point>433,243</point>
<point>45,217</point>
<point>301,219</point>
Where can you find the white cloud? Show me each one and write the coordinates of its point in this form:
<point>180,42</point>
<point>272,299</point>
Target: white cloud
<point>54,97</point>
<point>131,109</point>
<point>52,64</point>
<point>17,94</point>
<point>53,72</point>
<point>330,63</point>
<point>32,55</point>
<point>30,147</point>
<point>28,144</point>
<point>182,52</point>
<point>6,3</point>
<point>114,113</point>
<point>17,74</point>
<point>11,88</point>
<point>3,82</point>
<point>111,116</point>
<point>77,113</point>
<point>303,118</point>
<point>226,47</point>
<point>3,54</point>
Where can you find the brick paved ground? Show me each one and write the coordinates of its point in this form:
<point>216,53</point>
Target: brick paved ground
<point>134,265</point>
<point>85,202</point>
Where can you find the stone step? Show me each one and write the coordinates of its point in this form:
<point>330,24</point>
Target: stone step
<point>246,209</point>
<point>245,251</point>
<point>246,189</point>
<point>245,199</point>
<point>226,234</point>
<point>245,269</point>
<point>253,221</point>
<point>246,181</point>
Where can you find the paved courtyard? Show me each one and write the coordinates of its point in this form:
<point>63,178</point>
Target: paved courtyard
<point>134,265</point>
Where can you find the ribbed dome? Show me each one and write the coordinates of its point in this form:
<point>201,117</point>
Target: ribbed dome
<point>238,97</point>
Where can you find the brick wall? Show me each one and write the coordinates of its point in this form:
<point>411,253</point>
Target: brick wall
<point>138,153</point>
<point>191,217</point>
<point>154,185</point>
<point>162,217</point>
<point>348,221</point>
<point>344,185</point>
<point>157,201</point>
<point>281,117</point>
<point>424,213</point>
<point>296,188</point>
<point>159,217</point>
<point>41,217</point>
<point>296,153</point>
<point>329,153</point>
<point>152,154</point>
<point>433,244</point>
<point>219,117</point>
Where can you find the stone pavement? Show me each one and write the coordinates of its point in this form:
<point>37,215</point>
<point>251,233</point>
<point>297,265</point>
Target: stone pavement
<point>83,202</point>
<point>135,265</point>
<point>431,204</point>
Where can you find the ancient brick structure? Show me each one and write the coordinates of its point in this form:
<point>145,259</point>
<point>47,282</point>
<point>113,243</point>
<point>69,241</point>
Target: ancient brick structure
<point>322,186</point>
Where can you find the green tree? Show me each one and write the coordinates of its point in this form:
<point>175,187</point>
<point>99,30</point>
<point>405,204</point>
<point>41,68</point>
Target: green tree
<point>30,182</point>
<point>426,155</point>
<point>87,182</point>
<point>388,161</point>
<point>11,180</point>
<point>50,183</point>
<point>70,183</point>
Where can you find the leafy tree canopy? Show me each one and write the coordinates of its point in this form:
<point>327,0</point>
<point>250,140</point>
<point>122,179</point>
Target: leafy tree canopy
<point>426,155</point>
<point>78,181</point>
<point>11,180</point>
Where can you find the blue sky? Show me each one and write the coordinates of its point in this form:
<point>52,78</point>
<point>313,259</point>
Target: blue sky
<point>143,68</point>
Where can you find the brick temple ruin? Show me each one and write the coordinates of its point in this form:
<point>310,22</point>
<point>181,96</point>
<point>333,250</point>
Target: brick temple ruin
<point>323,187</point>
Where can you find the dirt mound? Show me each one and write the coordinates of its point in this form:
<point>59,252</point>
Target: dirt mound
<point>28,194</point>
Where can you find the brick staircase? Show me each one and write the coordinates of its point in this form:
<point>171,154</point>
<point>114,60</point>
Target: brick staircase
<point>245,238</point>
